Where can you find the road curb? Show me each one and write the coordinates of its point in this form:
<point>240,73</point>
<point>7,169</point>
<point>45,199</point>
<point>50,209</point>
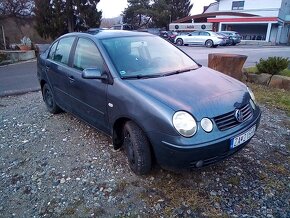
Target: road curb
<point>18,92</point>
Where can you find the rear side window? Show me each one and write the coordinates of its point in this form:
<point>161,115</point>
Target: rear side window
<point>87,55</point>
<point>63,50</point>
<point>204,34</point>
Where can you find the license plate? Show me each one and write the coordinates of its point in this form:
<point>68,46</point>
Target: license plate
<point>238,140</point>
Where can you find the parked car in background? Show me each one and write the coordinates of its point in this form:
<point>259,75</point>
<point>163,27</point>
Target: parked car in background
<point>207,38</point>
<point>226,39</point>
<point>235,37</point>
<point>154,100</point>
<point>168,35</point>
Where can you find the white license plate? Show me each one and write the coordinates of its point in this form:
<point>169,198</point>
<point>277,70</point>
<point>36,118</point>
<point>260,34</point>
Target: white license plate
<point>238,140</point>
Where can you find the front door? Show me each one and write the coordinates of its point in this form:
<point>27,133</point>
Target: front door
<point>88,96</point>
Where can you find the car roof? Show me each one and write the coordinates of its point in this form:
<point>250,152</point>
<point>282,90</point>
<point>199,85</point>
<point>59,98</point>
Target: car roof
<point>228,32</point>
<point>103,34</point>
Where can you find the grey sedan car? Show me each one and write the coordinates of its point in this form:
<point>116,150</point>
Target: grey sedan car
<point>207,38</point>
<point>151,98</point>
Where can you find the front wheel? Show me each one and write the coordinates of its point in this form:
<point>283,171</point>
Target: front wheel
<point>137,148</point>
<point>209,43</point>
<point>179,42</point>
<point>49,100</point>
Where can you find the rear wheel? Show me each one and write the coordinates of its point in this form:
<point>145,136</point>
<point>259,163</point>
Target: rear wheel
<point>137,148</point>
<point>179,42</point>
<point>49,100</point>
<point>209,43</point>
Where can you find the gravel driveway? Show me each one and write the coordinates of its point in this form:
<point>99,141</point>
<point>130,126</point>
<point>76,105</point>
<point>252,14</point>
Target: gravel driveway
<point>56,165</point>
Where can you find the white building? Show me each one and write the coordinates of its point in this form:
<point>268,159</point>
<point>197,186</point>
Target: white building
<point>265,20</point>
<point>270,20</point>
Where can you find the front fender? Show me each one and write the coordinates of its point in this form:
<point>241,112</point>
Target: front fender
<point>129,103</point>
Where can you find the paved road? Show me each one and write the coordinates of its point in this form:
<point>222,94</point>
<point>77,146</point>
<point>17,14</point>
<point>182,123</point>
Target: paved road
<point>18,78</point>
<point>21,77</point>
<point>254,53</point>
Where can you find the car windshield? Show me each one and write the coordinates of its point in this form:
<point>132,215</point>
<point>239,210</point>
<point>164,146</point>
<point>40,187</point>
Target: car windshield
<point>146,57</point>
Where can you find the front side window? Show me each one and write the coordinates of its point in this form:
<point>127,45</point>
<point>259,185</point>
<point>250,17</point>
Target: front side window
<point>196,33</point>
<point>238,5</point>
<point>63,50</point>
<point>87,55</point>
<point>146,56</point>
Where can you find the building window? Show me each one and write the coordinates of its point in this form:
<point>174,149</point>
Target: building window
<point>238,5</point>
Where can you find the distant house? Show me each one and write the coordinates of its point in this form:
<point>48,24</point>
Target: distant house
<point>267,20</point>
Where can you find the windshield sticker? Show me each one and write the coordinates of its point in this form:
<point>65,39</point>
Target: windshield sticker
<point>122,72</point>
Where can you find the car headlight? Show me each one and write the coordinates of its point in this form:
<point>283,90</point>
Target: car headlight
<point>252,95</point>
<point>206,124</point>
<point>184,123</point>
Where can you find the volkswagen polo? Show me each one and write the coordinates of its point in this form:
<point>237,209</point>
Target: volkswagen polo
<point>151,98</point>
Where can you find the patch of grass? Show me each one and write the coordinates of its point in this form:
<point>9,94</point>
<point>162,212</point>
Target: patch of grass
<point>276,168</point>
<point>176,196</point>
<point>121,186</point>
<point>277,98</point>
<point>251,69</point>
<point>234,180</point>
<point>285,72</point>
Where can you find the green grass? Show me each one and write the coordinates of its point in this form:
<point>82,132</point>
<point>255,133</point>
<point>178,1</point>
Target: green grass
<point>285,72</point>
<point>277,98</point>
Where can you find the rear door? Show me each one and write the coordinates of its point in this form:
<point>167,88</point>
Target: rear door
<point>88,96</point>
<point>203,36</point>
<point>57,70</point>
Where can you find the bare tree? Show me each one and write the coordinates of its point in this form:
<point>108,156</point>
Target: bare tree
<point>16,8</point>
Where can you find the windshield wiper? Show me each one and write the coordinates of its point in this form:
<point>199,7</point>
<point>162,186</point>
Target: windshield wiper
<point>179,71</point>
<point>139,76</point>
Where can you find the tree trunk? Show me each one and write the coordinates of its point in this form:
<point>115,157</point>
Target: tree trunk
<point>229,64</point>
<point>70,17</point>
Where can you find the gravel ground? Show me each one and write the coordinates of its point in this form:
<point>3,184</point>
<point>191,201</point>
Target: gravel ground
<point>56,165</point>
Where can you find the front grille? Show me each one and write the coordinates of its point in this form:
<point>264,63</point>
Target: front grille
<point>228,120</point>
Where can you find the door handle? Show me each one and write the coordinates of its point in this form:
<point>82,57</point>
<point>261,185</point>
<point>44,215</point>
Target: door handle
<point>47,68</point>
<point>71,79</point>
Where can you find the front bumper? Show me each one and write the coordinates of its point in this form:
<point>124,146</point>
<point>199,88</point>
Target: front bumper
<point>176,156</point>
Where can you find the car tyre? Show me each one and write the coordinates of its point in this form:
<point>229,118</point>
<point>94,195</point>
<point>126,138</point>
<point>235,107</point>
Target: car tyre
<point>49,100</point>
<point>179,42</point>
<point>209,43</point>
<point>137,148</point>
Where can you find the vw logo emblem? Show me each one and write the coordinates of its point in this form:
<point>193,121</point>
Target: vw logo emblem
<point>239,116</point>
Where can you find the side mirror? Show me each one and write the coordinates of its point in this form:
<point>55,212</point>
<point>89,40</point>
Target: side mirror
<point>94,73</point>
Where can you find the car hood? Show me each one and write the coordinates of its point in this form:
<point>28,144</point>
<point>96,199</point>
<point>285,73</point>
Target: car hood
<point>203,92</point>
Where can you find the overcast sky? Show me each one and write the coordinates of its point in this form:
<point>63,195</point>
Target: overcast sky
<point>113,8</point>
